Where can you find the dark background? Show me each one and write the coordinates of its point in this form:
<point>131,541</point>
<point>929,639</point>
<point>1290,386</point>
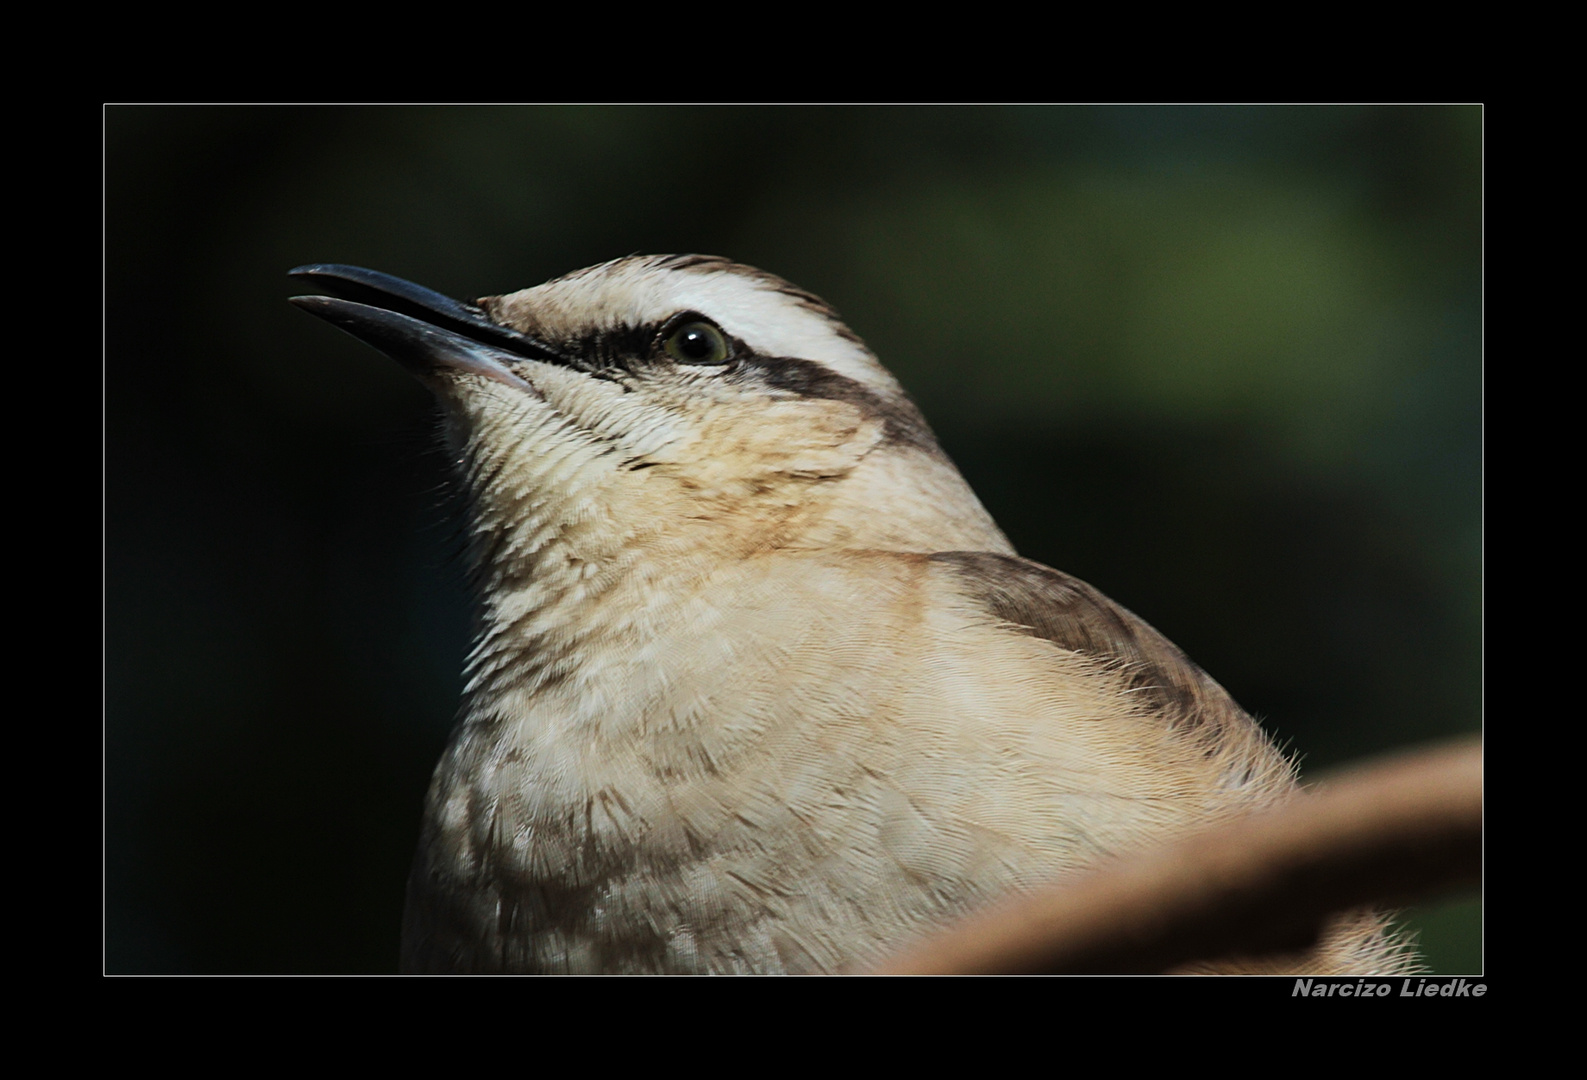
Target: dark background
<point>1224,363</point>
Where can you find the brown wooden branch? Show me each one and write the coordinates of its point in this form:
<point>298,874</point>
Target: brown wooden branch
<point>1390,833</point>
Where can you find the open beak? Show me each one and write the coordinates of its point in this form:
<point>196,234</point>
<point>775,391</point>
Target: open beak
<point>431,335</point>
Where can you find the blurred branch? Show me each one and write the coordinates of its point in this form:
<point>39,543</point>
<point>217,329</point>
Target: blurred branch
<point>1389,833</point>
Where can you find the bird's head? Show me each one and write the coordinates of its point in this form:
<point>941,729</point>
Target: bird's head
<point>684,404</point>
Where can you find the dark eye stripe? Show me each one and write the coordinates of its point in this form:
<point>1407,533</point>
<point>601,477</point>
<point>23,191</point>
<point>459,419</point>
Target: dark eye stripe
<point>899,415</point>
<point>621,348</point>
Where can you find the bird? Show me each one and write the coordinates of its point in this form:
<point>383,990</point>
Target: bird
<point>757,684</point>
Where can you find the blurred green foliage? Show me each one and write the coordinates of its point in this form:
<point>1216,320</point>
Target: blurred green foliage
<point>1225,363</point>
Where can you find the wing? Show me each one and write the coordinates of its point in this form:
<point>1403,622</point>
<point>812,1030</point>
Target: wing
<point>1044,603</point>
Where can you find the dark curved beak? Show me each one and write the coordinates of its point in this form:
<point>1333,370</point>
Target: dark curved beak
<point>424,331</point>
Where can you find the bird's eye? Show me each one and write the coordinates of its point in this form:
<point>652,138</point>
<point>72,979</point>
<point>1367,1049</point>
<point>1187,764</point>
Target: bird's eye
<point>697,343</point>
